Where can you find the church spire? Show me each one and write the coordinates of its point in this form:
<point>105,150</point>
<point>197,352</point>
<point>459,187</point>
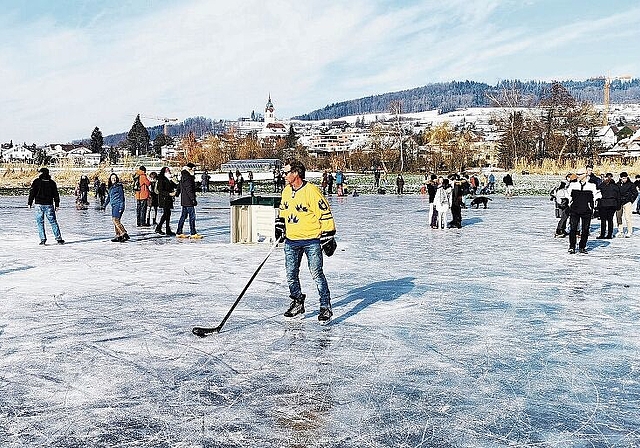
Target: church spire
<point>269,106</point>
<point>269,115</point>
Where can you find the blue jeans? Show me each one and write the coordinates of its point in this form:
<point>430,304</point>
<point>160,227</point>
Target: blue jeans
<point>191,212</point>
<point>292,259</point>
<point>50,212</point>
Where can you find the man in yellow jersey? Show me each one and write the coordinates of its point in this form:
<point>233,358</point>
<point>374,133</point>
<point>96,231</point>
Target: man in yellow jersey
<point>307,225</point>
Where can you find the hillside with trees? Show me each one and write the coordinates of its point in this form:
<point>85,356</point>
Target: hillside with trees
<point>447,97</point>
<point>196,125</point>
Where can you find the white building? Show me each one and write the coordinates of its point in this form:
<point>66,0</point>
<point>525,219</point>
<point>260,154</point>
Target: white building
<point>77,155</point>
<point>21,153</point>
<point>627,147</point>
<point>607,136</point>
<point>271,127</point>
<point>246,126</point>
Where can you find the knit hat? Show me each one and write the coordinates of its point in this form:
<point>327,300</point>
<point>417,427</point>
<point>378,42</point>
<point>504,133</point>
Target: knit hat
<point>191,165</point>
<point>44,171</point>
<point>624,174</point>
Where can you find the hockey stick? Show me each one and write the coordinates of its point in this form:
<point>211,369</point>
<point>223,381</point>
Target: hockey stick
<point>205,331</point>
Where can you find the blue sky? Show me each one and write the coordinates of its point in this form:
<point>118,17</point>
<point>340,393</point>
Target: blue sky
<point>68,66</point>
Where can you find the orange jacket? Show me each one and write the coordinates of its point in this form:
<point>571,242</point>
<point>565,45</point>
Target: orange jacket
<point>144,186</point>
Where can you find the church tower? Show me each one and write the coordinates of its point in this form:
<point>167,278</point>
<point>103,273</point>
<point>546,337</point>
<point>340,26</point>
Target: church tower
<point>272,129</point>
<point>269,115</point>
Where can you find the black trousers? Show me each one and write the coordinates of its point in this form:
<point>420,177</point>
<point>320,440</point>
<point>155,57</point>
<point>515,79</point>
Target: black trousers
<point>585,221</point>
<point>606,221</point>
<point>165,218</point>
<point>456,215</point>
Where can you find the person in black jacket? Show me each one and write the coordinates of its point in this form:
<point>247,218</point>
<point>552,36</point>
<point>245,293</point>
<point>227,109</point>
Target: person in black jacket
<point>44,192</point>
<point>608,204</point>
<point>508,183</point>
<point>188,201</point>
<point>239,182</point>
<point>400,184</point>
<point>166,193</point>
<point>432,187</point>
<point>628,194</point>
<point>582,196</point>
<point>460,188</point>
<point>83,188</point>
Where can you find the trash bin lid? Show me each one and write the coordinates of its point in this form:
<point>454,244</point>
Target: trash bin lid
<point>271,201</point>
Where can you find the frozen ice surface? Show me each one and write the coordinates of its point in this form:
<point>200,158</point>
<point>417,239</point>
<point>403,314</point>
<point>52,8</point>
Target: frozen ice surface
<point>487,336</point>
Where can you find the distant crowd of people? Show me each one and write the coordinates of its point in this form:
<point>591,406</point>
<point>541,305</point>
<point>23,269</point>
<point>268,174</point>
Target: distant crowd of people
<point>583,196</point>
<point>152,192</point>
<point>580,197</point>
<point>457,191</point>
<point>445,195</point>
<point>328,180</point>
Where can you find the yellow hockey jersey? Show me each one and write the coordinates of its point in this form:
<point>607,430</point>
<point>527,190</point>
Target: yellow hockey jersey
<point>306,212</point>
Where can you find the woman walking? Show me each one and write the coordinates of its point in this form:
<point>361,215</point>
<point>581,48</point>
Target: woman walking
<point>166,193</point>
<point>115,196</point>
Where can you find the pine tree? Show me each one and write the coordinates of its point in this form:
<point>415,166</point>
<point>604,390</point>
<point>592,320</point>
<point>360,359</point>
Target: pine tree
<point>557,97</point>
<point>292,139</point>
<point>96,140</point>
<point>160,141</point>
<point>96,143</point>
<point>138,138</point>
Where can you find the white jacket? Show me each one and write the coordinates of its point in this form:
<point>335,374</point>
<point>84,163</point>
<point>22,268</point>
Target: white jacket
<point>442,199</point>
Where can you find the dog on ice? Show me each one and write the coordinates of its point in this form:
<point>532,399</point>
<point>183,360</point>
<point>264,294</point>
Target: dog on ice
<point>480,200</point>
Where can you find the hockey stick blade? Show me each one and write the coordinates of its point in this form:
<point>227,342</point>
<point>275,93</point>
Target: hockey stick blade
<point>204,331</point>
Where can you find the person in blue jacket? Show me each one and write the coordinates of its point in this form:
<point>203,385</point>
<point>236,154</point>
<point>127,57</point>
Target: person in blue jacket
<point>115,197</point>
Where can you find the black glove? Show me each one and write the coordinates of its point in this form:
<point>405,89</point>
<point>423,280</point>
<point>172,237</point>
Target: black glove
<point>328,242</point>
<point>280,228</point>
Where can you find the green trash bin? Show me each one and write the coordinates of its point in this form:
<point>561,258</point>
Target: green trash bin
<point>252,219</point>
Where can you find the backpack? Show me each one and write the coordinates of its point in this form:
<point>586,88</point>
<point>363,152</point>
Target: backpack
<point>136,182</point>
